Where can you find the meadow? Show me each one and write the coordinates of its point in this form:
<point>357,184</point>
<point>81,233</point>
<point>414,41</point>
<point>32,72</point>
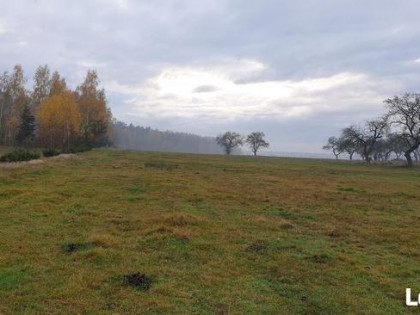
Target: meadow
<point>207,234</point>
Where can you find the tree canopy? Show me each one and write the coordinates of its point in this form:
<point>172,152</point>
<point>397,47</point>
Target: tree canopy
<point>229,140</point>
<point>256,141</point>
<point>52,115</point>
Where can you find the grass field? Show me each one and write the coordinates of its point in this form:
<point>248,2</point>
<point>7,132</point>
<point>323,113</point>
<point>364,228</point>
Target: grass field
<point>212,234</point>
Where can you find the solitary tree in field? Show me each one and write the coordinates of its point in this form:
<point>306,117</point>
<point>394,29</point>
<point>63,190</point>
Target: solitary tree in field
<point>229,140</point>
<point>255,141</point>
<point>404,112</point>
<point>334,144</point>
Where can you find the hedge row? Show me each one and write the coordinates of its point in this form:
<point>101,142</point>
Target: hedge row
<point>25,155</point>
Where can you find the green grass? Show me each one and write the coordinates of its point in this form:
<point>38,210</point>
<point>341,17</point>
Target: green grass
<point>212,234</point>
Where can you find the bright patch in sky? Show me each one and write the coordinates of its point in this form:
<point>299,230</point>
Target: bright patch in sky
<point>3,28</point>
<point>224,91</point>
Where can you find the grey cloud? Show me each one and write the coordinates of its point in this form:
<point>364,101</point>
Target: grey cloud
<point>130,41</point>
<point>205,89</point>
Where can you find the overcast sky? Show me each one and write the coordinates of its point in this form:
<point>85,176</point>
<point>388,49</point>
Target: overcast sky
<point>298,70</point>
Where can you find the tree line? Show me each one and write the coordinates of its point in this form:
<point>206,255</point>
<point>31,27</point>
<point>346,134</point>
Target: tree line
<point>51,115</point>
<point>394,134</point>
<point>130,137</point>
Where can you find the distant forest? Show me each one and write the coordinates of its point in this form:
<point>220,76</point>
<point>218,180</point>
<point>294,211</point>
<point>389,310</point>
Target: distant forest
<point>130,137</point>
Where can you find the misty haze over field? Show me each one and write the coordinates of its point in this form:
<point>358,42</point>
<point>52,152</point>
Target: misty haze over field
<point>298,70</point>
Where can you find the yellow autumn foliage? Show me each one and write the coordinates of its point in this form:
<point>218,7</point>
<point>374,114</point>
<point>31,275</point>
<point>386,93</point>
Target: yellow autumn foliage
<point>59,120</point>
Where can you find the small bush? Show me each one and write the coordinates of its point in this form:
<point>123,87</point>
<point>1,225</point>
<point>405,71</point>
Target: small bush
<point>19,156</point>
<point>50,152</point>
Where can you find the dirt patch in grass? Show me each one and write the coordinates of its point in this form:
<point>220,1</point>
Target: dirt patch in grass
<point>139,281</point>
<point>75,247</point>
<point>258,247</point>
<point>320,259</point>
<point>336,233</point>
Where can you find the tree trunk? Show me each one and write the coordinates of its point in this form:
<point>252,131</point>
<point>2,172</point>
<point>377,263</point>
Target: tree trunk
<point>68,136</point>
<point>1,116</point>
<point>409,159</point>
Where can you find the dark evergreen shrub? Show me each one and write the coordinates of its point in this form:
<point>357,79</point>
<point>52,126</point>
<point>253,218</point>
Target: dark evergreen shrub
<point>50,152</point>
<point>19,156</point>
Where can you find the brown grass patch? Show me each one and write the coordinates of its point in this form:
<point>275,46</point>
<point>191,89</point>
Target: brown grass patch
<point>286,225</point>
<point>258,247</point>
<point>176,220</point>
<point>337,232</point>
<point>104,240</point>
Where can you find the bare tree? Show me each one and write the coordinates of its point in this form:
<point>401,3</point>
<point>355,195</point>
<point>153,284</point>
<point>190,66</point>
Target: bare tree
<point>367,136</point>
<point>395,143</point>
<point>229,140</point>
<point>348,145</point>
<point>255,141</point>
<point>380,149</point>
<point>334,145</point>
<point>404,112</point>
